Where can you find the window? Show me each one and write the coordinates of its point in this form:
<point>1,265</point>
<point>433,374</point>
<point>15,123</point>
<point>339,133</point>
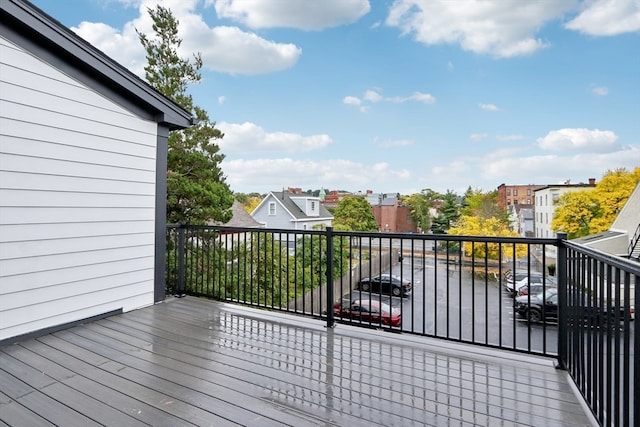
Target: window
<point>515,192</point>
<point>508,201</point>
<point>528,201</point>
<point>528,191</point>
<point>313,206</point>
<point>272,208</point>
<point>508,192</point>
<point>547,218</point>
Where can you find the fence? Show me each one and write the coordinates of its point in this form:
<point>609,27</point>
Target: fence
<point>458,288</point>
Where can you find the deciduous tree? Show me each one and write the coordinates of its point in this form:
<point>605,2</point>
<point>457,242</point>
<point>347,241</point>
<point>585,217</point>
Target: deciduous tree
<point>478,226</point>
<point>248,201</point>
<point>484,205</point>
<point>420,205</point>
<point>581,213</point>
<point>354,213</point>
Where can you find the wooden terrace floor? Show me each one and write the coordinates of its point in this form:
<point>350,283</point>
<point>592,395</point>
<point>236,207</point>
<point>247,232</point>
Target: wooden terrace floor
<point>198,362</point>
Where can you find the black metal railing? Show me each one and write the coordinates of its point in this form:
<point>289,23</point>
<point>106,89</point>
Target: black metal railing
<point>460,288</point>
<point>599,333</point>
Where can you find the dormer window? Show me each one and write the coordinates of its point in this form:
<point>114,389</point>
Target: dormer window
<point>272,208</point>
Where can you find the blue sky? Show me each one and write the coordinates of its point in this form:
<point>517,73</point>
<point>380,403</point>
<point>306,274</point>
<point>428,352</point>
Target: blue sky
<point>399,96</point>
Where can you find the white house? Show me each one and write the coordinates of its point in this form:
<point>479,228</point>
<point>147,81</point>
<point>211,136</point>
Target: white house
<point>545,199</point>
<point>291,211</point>
<point>82,178</point>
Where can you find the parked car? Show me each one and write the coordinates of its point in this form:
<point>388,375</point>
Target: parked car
<point>511,278</point>
<point>543,307</point>
<point>536,286</point>
<point>538,307</point>
<point>387,284</point>
<point>368,311</point>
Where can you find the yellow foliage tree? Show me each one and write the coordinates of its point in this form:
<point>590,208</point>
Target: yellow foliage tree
<point>251,203</point>
<point>478,226</point>
<point>575,212</point>
<point>582,213</point>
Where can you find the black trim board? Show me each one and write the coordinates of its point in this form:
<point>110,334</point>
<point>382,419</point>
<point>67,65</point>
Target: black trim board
<point>53,329</point>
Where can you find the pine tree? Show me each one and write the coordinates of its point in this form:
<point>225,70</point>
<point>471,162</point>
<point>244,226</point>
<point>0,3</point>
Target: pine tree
<point>197,191</point>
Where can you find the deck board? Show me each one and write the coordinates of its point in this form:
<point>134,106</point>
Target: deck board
<point>197,362</point>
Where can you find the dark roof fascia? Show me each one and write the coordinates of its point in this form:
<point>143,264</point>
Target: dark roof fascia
<point>32,29</point>
<point>314,218</point>
<point>560,186</point>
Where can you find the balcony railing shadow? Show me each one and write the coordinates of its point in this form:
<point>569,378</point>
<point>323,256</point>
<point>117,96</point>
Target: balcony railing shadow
<point>580,310</point>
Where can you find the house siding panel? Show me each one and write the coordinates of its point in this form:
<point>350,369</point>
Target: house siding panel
<point>77,199</point>
<point>282,219</point>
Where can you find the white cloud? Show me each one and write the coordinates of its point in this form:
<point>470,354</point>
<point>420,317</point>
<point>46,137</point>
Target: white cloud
<point>372,96</point>
<point>590,140</point>
<point>351,100</point>
<point>231,50</point>
<point>267,174</point>
<point>250,138</point>
<point>489,107</point>
<point>515,166</point>
<point>301,14</point>
<point>600,90</point>
<point>417,96</point>
<point>222,99</point>
<point>503,28</point>
<point>392,143</point>
<point>550,169</point>
<point>478,136</point>
<point>223,49</point>
<point>607,18</point>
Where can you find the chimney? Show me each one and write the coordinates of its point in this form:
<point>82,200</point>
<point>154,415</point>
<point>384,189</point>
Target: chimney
<point>592,181</point>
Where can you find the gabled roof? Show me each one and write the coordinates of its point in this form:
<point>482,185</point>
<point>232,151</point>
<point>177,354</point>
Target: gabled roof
<point>284,199</point>
<point>240,218</point>
<point>33,30</point>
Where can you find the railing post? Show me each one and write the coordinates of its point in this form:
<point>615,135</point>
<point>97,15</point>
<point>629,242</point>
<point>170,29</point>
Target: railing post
<point>330,319</point>
<point>636,351</point>
<point>182,231</point>
<point>561,267</point>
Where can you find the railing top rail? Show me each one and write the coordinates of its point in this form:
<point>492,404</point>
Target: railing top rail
<point>377,235</point>
<point>621,263</point>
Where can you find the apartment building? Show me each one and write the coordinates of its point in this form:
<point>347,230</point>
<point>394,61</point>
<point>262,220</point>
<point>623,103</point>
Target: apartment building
<point>517,195</point>
<point>545,204</point>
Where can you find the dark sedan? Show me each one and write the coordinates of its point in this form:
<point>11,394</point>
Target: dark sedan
<point>368,311</point>
<point>538,307</point>
<point>389,284</point>
<point>542,307</point>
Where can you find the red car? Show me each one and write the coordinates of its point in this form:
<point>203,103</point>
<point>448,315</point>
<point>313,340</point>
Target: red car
<point>368,311</point>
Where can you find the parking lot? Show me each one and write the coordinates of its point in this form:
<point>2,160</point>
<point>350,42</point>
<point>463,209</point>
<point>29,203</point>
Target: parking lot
<point>451,304</point>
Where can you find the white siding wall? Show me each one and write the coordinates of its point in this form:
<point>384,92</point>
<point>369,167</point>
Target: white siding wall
<point>77,199</point>
<point>282,218</point>
<point>545,207</point>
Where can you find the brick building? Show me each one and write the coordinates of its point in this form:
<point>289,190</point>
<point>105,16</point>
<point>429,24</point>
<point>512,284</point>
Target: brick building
<point>518,195</point>
<point>393,217</point>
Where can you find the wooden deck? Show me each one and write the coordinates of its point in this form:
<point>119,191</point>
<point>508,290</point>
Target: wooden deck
<point>198,362</point>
